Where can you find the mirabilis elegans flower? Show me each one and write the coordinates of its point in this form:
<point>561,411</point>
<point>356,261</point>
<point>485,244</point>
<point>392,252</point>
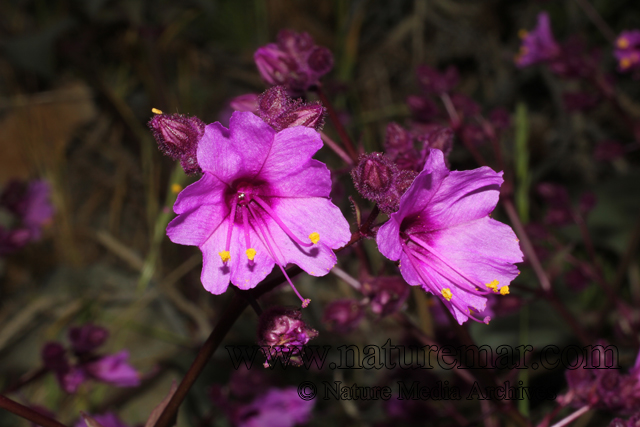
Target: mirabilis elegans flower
<point>262,200</point>
<point>538,45</point>
<point>445,240</point>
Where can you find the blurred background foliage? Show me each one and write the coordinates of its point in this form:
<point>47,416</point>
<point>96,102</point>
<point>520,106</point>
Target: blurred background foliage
<point>78,79</point>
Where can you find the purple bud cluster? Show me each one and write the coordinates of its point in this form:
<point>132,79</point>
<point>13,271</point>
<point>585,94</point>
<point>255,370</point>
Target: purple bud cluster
<point>283,333</point>
<point>602,386</point>
<point>177,136</point>
<point>633,421</point>
<point>378,179</point>
<point>294,61</point>
<point>29,209</point>
<point>85,363</point>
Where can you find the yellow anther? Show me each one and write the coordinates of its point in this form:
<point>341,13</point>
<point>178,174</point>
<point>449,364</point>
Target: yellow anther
<point>493,285</point>
<point>225,255</point>
<point>314,237</point>
<point>625,63</point>
<point>523,33</point>
<point>156,111</point>
<point>623,43</point>
<point>446,293</point>
<point>176,188</point>
<point>251,253</point>
<point>504,290</point>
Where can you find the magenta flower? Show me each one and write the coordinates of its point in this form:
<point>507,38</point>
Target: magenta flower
<point>537,45</point>
<point>628,50</point>
<point>445,240</point>
<point>262,200</point>
<point>275,408</point>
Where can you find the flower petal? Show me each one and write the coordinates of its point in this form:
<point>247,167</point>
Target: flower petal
<point>424,187</point>
<point>312,179</point>
<point>114,369</point>
<point>388,239</point>
<point>291,151</point>
<point>464,196</point>
<point>237,152</point>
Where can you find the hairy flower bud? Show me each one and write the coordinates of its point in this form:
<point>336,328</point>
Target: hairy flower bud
<point>277,109</point>
<point>246,102</point>
<point>343,315</point>
<point>378,179</point>
<point>284,333</point>
<point>177,136</point>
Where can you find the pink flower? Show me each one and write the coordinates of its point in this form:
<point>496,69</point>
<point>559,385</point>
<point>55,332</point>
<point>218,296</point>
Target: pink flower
<point>445,240</point>
<point>262,200</point>
<point>538,45</point>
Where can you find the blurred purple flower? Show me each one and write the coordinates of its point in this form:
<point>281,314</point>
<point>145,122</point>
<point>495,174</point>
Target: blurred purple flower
<point>387,294</point>
<point>445,240</point>
<point>343,315</point>
<point>12,240</point>
<point>627,50</point>
<point>260,196</point>
<point>177,136</point>
<point>579,101</point>
<point>538,45</point>
<point>633,421</point>
<point>275,408</point>
<point>30,202</point>
<point>294,61</point>
<point>435,82</point>
<point>608,150</point>
<point>465,106</point>
<point>112,369</point>
<point>423,109</point>
<point>598,383</point>
<point>283,333</point>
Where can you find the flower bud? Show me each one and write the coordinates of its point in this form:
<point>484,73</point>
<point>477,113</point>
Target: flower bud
<point>284,333</point>
<point>246,102</point>
<point>273,102</point>
<point>321,60</point>
<point>343,315</point>
<point>310,115</point>
<point>177,136</point>
<point>273,64</point>
<point>280,111</point>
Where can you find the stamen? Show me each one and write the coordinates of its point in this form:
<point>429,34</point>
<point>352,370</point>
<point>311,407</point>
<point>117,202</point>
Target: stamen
<point>504,290</point>
<point>225,255</point>
<point>284,228</point>
<point>314,237</point>
<point>472,290</point>
<point>305,302</point>
<point>251,253</point>
<point>156,111</point>
<point>493,285</point>
<point>446,293</point>
<point>232,220</point>
<point>176,188</point>
<point>245,226</point>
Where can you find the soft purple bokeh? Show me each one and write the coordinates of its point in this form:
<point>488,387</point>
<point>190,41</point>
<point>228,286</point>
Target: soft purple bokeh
<point>627,50</point>
<point>538,45</point>
<point>275,408</point>
<point>445,240</point>
<point>343,315</point>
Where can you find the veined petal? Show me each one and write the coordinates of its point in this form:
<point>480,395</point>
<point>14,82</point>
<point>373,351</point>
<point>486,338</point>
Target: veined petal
<point>327,221</point>
<point>388,239</point>
<point>291,151</point>
<point>313,179</point>
<point>208,190</point>
<point>237,152</point>
<point>215,274</point>
<point>424,187</point>
<point>246,274</point>
<point>465,196</point>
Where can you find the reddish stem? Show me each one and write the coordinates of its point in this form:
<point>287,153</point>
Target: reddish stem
<point>344,136</point>
<point>28,413</point>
